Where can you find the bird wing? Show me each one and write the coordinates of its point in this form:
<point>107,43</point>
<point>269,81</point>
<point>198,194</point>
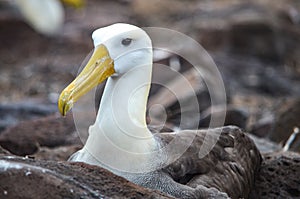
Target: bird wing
<point>229,166</point>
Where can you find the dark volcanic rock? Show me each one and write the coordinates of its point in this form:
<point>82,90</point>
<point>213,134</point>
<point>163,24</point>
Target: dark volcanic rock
<point>262,127</point>
<point>26,137</point>
<point>285,122</point>
<point>61,153</point>
<point>27,178</point>
<point>278,176</point>
<point>264,145</point>
<point>11,114</point>
<point>4,152</point>
<point>232,116</point>
<point>254,43</point>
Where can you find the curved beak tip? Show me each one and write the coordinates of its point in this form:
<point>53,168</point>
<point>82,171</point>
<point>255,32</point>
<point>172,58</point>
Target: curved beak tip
<point>99,67</point>
<point>64,103</point>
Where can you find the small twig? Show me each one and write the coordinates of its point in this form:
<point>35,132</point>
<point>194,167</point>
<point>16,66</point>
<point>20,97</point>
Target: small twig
<point>291,139</point>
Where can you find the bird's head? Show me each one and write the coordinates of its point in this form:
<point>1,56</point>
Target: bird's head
<point>119,48</point>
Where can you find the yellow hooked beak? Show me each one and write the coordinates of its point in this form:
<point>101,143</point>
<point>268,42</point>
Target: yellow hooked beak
<point>74,3</point>
<point>99,67</point>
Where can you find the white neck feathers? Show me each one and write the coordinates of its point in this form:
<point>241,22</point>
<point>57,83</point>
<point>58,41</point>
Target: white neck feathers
<point>120,139</point>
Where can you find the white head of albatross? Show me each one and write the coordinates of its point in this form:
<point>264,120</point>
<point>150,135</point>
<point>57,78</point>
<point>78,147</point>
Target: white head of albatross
<point>119,138</point>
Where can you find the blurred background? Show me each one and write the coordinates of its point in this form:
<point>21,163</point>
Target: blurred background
<point>255,44</point>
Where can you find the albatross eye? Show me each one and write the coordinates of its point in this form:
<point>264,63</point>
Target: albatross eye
<point>126,42</point>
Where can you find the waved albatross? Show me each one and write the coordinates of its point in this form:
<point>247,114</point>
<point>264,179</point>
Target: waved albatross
<point>45,16</point>
<point>120,141</point>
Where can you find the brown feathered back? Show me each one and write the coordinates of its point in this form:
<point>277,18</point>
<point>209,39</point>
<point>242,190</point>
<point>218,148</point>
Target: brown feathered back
<point>229,166</point>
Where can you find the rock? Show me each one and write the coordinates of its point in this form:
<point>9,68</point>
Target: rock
<point>60,153</point>
<point>286,119</point>
<point>264,145</point>
<point>4,152</point>
<point>255,38</point>
<point>278,176</point>
<point>51,131</point>
<point>232,116</point>
<point>262,127</point>
<point>13,113</point>
<point>243,38</point>
<point>28,178</point>
<point>156,11</point>
<point>258,107</point>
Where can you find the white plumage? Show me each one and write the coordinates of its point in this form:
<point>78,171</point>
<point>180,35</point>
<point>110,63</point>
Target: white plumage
<point>45,16</point>
<point>120,141</point>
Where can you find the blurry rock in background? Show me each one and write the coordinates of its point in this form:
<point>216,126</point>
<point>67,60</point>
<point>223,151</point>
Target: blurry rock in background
<point>255,44</point>
<point>27,137</point>
<point>286,123</point>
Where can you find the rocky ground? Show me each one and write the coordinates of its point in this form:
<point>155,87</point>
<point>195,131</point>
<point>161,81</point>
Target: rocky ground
<point>255,45</point>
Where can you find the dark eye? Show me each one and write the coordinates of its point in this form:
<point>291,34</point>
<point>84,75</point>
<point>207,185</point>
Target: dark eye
<point>126,42</point>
